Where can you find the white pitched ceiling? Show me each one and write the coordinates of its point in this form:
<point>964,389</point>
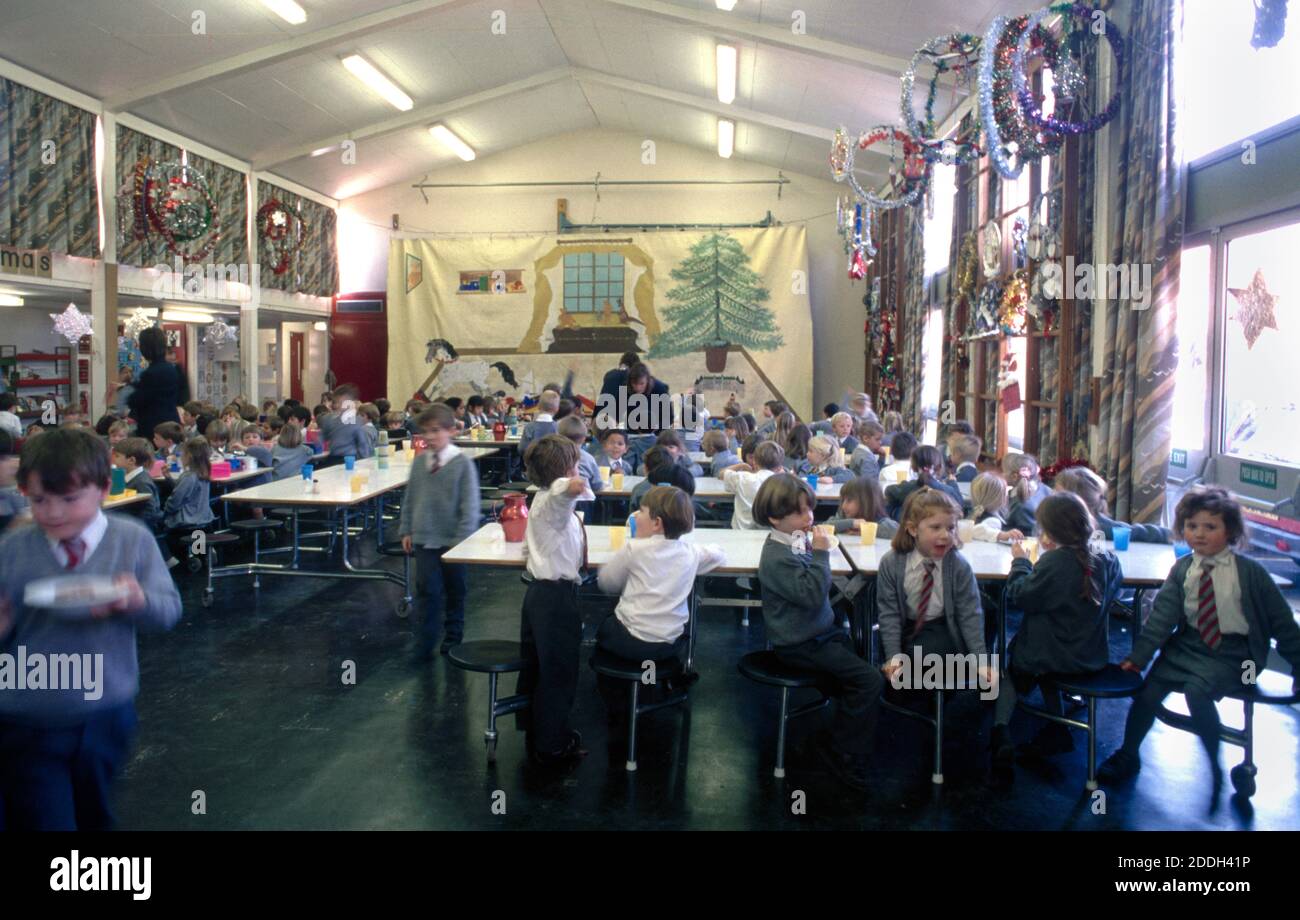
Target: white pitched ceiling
<point>268,92</point>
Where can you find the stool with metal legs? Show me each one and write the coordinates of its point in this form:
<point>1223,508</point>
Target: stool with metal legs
<point>257,526</point>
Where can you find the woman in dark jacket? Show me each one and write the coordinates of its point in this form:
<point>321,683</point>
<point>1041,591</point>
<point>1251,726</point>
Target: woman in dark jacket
<point>160,388</point>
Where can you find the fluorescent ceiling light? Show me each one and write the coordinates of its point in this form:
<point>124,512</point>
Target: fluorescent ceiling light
<point>367,73</point>
<point>324,150</point>
<point>287,10</point>
<point>727,73</point>
<point>10,300</point>
<point>187,316</point>
<point>452,142</point>
<point>725,5</point>
<point>320,327</point>
<point>726,137</point>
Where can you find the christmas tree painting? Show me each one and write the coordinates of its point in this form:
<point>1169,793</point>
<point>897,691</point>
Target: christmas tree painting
<point>718,301</point>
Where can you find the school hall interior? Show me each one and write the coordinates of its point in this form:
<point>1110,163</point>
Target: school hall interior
<point>575,414</point>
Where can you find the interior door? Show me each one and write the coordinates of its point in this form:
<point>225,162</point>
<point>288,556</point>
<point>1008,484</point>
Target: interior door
<point>297,344</point>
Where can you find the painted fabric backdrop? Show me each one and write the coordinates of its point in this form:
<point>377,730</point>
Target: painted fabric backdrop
<point>46,205</point>
<point>723,311</point>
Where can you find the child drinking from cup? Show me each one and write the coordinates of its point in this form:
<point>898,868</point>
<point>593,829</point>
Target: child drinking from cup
<point>928,471</point>
<point>988,496</point>
<point>823,463</point>
<point>863,502</point>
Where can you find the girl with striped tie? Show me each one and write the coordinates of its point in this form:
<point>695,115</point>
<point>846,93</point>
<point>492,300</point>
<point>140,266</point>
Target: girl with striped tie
<point>1212,622</point>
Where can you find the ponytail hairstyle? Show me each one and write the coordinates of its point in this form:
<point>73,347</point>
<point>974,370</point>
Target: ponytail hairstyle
<point>1064,519</point>
<point>197,454</point>
<point>1084,483</point>
<point>785,423</point>
<point>1022,489</point>
<point>988,495</point>
<point>927,456</point>
<point>920,505</point>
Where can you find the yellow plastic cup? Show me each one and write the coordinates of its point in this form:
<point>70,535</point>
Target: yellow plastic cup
<point>1031,546</point>
<point>616,482</point>
<point>356,483</point>
<point>604,473</point>
<point>868,531</point>
<point>617,537</point>
<point>900,475</point>
<point>410,455</point>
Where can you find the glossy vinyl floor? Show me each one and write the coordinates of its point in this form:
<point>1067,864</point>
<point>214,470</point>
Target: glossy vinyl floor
<point>246,702</point>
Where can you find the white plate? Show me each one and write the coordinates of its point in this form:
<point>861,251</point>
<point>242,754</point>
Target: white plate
<point>73,593</point>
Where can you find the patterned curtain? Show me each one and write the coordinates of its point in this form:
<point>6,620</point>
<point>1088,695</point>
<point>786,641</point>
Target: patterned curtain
<point>52,206</point>
<point>911,320</point>
<point>1140,347</point>
<point>312,267</point>
<point>227,186</point>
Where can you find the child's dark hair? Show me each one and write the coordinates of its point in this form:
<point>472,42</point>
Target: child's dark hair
<point>671,474</point>
<point>65,460</point>
<point>474,402</point>
<point>550,458</point>
<point>217,433</point>
<point>1065,520</point>
<point>656,457</point>
<point>320,410</point>
<point>749,445</point>
<point>927,457</point>
<point>7,401</point>
<point>563,410</point>
<point>136,449</point>
<point>197,454</point>
<point>830,409</point>
<point>384,406</point>
<point>670,438</point>
<point>105,422</point>
<point>1212,500</point>
<point>193,407</point>
<point>437,415</point>
<point>169,431</point>
<point>869,496</point>
<point>781,495</point>
<point>920,505</point>
<point>573,428</point>
<point>713,442</point>
<point>769,456</point>
<point>346,391</point>
<point>737,425</point>
<point>672,507</point>
<point>201,423</point>
<point>605,434</point>
<point>285,411</point>
<point>796,444</point>
<point>902,446</point>
<point>301,413</point>
<point>6,443</point>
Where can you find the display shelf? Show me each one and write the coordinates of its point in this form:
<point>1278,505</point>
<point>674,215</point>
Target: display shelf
<point>30,382</point>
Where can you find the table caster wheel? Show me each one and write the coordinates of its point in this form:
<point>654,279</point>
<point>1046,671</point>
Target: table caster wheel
<point>403,609</point>
<point>1243,780</point>
<point>195,564</point>
<point>207,599</point>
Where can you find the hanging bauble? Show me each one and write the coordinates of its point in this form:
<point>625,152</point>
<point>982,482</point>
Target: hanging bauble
<point>857,265</point>
<point>72,324</point>
<point>218,332</point>
<point>1012,315</point>
<point>991,249</point>
<point>958,54</point>
<point>841,154</point>
<point>138,322</point>
<point>986,313</point>
<point>280,228</point>
<point>1032,110</point>
<point>181,209</point>
<point>915,167</point>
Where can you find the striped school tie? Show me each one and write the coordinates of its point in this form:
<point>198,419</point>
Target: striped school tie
<point>927,588</point>
<point>75,549</point>
<point>1207,613</point>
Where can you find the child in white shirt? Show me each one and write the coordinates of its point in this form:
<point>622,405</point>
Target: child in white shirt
<point>745,479</point>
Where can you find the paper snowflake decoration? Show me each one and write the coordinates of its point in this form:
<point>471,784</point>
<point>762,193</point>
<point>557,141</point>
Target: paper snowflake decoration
<point>72,324</point>
<point>138,322</point>
<point>218,332</point>
<point>1255,308</point>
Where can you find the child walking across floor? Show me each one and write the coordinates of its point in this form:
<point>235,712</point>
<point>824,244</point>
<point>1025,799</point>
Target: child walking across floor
<point>1212,623</point>
<point>440,509</point>
<point>550,633</point>
<point>61,747</point>
<point>794,572</point>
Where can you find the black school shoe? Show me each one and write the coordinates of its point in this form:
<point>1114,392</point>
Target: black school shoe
<point>849,770</point>
<point>1119,767</point>
<point>1003,751</point>
<point>450,643</point>
<point>568,756</point>
<point>1050,741</point>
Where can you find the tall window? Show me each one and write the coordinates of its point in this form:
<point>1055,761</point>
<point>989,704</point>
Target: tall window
<point>1232,90</point>
<point>592,280</point>
<point>1192,379</point>
<point>938,229</point>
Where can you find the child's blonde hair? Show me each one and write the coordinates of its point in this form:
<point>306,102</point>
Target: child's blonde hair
<point>548,402</point>
<point>713,442</point>
<point>988,495</point>
<point>1084,483</point>
<point>920,505</point>
<point>827,449</point>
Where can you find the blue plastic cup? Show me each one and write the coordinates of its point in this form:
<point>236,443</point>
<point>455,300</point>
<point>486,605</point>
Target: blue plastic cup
<point>307,470</point>
<point>349,463</point>
<point>1120,535</point>
<point>812,480</point>
<point>1181,549</point>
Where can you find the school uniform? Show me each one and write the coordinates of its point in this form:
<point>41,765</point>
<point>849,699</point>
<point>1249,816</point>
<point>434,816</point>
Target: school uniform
<point>888,474</point>
<point>287,462</point>
<point>966,472</point>
<point>372,434</point>
<point>989,527</point>
<point>720,461</point>
<point>795,582</point>
<point>896,495</point>
<point>1020,515</point>
<point>885,527</point>
<point>439,510</point>
<point>535,430</point>
<point>744,485</point>
<point>954,617</point>
<point>550,632</point>
<point>1208,627</point>
<point>12,504</point>
<point>864,462</point>
<point>187,509</point>
<point>1062,631</point>
<point>60,750</point>
<point>149,512</point>
<point>589,470</point>
<point>850,444</point>
<point>344,439</point>
<point>836,473</point>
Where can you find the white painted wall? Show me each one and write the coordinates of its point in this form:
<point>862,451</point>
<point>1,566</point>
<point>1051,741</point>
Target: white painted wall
<point>317,361</point>
<point>838,314</point>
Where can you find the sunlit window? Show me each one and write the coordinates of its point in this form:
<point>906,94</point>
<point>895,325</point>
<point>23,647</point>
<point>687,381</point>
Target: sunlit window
<point>932,373</point>
<point>1192,381</point>
<point>938,229</point>
<point>1232,90</point>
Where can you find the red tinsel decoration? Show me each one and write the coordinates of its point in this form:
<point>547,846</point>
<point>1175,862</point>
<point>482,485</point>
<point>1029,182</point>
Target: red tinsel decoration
<point>1048,473</point>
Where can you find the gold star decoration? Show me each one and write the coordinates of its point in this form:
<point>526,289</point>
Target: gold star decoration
<point>1255,308</point>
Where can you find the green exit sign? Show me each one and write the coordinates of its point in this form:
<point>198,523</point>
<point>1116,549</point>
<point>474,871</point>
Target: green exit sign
<point>1262,476</point>
<point>1178,458</point>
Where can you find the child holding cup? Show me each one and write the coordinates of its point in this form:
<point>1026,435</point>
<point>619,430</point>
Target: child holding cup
<point>862,510</point>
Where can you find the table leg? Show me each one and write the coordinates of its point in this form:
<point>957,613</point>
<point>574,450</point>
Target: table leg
<point>1137,613</point>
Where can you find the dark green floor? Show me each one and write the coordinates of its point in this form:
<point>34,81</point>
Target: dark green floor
<point>245,701</point>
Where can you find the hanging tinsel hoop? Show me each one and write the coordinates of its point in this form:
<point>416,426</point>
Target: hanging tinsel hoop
<point>1032,110</point>
<point>181,209</point>
<point>956,53</point>
<point>280,228</point>
<point>1007,133</point>
<point>916,171</point>
<point>1013,314</point>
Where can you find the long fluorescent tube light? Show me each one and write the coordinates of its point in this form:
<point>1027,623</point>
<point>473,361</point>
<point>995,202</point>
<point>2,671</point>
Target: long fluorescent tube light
<point>187,316</point>
<point>287,10</point>
<point>725,5</point>
<point>10,300</point>
<point>320,327</point>
<point>726,137</point>
<point>452,142</point>
<point>323,150</point>
<point>367,73</point>
<point>727,73</point>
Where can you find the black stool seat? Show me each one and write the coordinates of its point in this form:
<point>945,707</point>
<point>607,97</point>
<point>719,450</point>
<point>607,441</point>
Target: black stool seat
<point>218,539</point>
<point>766,669</point>
<point>1111,682</point>
<point>282,512</point>
<point>1254,694</point>
<point>256,524</point>
<point>392,549</point>
<point>514,487</point>
<point>488,656</point>
<point>611,665</point>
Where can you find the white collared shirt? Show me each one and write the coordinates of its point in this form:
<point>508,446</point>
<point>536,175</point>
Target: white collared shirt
<point>553,542</point>
<point>744,485</point>
<point>444,456</point>
<point>619,466</point>
<point>889,477</point>
<point>91,536</point>
<point>543,417</point>
<point>654,576</point>
<point>132,474</point>
<point>1227,592</point>
<point>914,578</point>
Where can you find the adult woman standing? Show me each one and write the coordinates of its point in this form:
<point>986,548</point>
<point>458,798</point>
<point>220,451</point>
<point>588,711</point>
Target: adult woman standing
<point>160,388</point>
<point>649,409</point>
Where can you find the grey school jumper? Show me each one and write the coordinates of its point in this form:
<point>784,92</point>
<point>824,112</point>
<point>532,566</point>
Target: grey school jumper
<point>962,610</point>
<point>25,556</point>
<point>442,508</point>
<point>795,589</point>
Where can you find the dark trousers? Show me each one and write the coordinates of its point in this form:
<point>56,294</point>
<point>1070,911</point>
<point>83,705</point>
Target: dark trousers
<point>550,633</point>
<point>1142,714</point>
<point>441,588</point>
<point>57,779</point>
<point>855,683</point>
<point>1021,684</point>
<point>613,637</point>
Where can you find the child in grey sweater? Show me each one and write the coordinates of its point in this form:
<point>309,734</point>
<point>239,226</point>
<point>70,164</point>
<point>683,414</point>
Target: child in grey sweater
<point>189,506</point>
<point>289,453</point>
<point>795,574</point>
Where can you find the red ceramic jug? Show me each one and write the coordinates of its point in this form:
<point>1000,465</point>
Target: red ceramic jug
<point>514,516</point>
<point>499,431</point>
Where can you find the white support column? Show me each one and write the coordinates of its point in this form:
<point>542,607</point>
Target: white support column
<point>248,354</point>
<point>1103,186</point>
<point>103,293</point>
